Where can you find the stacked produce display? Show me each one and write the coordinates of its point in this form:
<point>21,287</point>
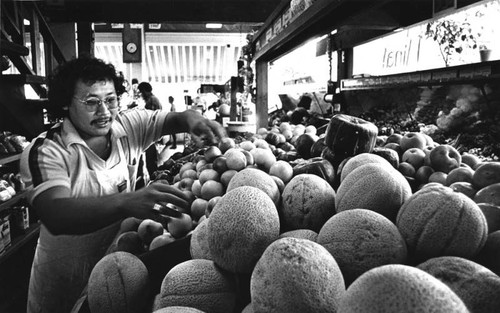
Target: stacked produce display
<point>347,218</point>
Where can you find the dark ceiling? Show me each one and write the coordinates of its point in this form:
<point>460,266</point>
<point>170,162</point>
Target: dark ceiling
<point>177,15</point>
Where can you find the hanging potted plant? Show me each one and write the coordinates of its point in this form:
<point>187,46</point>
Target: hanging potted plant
<point>452,36</point>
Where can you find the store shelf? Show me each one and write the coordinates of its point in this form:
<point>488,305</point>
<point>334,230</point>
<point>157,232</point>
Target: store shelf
<point>12,201</point>
<point>471,73</point>
<point>20,240</point>
<point>9,158</point>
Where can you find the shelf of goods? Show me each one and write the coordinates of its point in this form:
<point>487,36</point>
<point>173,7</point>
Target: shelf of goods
<point>21,237</point>
<point>471,73</point>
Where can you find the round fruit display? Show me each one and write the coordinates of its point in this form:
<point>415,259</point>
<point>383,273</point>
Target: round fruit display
<point>296,275</point>
<point>241,226</point>
<point>476,285</point>
<point>118,283</point>
<point>216,292</point>
<point>397,288</point>
<point>360,240</point>
<point>373,186</point>
<point>437,221</point>
<point>308,202</point>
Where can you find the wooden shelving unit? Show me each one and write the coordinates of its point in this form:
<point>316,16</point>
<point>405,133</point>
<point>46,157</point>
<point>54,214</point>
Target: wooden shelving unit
<point>18,241</point>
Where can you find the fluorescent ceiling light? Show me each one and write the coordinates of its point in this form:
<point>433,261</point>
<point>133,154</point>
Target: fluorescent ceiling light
<point>213,25</point>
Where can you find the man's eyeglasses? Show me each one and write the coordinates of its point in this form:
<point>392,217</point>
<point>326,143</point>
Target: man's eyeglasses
<point>92,104</point>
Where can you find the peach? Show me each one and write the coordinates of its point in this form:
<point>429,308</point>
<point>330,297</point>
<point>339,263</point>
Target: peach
<point>249,156</point>
<point>186,166</point>
<point>394,146</point>
<point>160,241</point>
<point>459,174</point>
<point>236,160</point>
<point>186,183</point>
<point>413,140</point>
<point>470,159</point>
<point>438,177</point>
<point>179,227</point>
<point>148,229</point>
<point>225,178</point>
<point>211,204</point>
<point>465,188</point>
<point>444,158</point>
<point>283,170</point>
<point>264,158</point>
<point>489,194</point>
<point>247,145</point>
<point>395,138</point>
<point>190,173</point>
<point>486,173</point>
<point>406,169</point>
<point>219,164</point>
<point>211,153</point>
<point>196,188</point>
<point>208,174</point>
<point>414,156</point>
<point>212,188</point>
<point>198,208</point>
<point>423,173</point>
<point>226,144</point>
<point>492,214</point>
<point>200,164</point>
<point>279,183</point>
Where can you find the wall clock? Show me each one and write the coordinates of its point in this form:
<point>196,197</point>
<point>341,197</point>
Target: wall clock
<point>131,47</point>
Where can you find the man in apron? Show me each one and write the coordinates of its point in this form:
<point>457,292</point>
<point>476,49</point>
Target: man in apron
<point>83,174</point>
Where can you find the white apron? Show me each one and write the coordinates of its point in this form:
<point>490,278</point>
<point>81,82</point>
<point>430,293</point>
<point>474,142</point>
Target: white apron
<point>62,264</point>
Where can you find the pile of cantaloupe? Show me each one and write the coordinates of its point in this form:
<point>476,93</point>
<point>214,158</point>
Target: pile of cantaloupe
<point>265,240</point>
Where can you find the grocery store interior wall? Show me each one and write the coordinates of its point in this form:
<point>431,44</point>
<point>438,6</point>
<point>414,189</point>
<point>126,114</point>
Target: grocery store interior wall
<point>175,62</point>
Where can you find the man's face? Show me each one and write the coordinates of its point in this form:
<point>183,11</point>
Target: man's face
<point>93,120</point>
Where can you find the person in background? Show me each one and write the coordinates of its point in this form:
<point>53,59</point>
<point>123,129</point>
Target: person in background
<point>151,102</point>
<point>173,138</point>
<point>135,94</point>
<point>82,172</point>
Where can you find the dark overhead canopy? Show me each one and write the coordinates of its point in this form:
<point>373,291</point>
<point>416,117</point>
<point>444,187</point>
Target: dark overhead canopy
<point>158,11</point>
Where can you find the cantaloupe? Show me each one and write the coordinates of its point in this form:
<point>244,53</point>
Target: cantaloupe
<point>397,288</point>
<point>241,226</point>
<point>296,275</point>
<point>490,253</point>
<point>492,214</point>
<point>360,240</point>
<point>199,242</point>
<point>485,174</point>
<point>199,284</point>
<point>308,201</point>
<point>373,186</point>
<point>361,159</point>
<point>118,283</point>
<point>477,286</point>
<point>301,234</point>
<point>489,194</point>
<point>436,221</point>
<point>255,178</point>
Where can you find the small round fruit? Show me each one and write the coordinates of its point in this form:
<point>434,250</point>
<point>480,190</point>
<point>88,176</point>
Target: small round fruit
<point>283,170</point>
<point>212,188</point>
<point>444,158</point>
<point>220,165</point>
<point>211,153</point>
<point>236,160</point>
<point>459,174</point>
